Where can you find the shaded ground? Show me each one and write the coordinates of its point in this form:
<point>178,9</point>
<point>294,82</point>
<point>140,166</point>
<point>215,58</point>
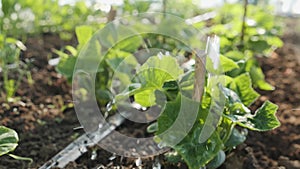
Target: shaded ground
<point>46,126</point>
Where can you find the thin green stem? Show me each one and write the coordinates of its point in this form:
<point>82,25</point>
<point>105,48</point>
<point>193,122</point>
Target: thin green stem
<point>244,21</point>
<point>164,7</point>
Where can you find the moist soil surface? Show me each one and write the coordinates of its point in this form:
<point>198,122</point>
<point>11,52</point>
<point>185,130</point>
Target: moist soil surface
<point>46,124</point>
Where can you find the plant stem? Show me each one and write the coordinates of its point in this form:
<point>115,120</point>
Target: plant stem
<point>199,76</point>
<point>164,7</point>
<point>5,77</point>
<point>111,15</point>
<point>18,82</point>
<point>164,16</point>
<point>244,21</point>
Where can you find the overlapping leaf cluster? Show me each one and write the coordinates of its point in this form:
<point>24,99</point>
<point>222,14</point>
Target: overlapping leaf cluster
<point>239,95</point>
<point>20,18</point>
<point>160,80</point>
<point>260,38</point>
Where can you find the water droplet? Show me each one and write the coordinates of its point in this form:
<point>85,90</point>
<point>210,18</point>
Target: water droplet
<point>138,162</point>
<point>161,145</point>
<point>156,164</point>
<point>94,155</point>
<point>112,157</point>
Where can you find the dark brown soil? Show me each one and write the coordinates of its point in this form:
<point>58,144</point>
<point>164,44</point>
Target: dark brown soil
<point>41,116</point>
<point>46,125</point>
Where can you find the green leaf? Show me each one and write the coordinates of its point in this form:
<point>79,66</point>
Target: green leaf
<point>171,85</point>
<point>140,6</point>
<point>168,116</point>
<point>146,98</point>
<point>235,55</point>
<point>120,37</point>
<point>124,65</point>
<point>103,95</point>
<point>117,59</point>
<point>7,7</point>
<point>177,119</point>
<point>83,33</point>
<point>90,56</point>
<point>235,139</point>
<point>264,118</point>
<point>8,140</point>
<point>225,66</point>
<point>257,75</point>
<point>243,87</point>
<point>186,84</point>
<point>197,155</point>
<point>108,35</point>
<point>228,79</point>
<point>258,46</point>
<point>228,64</point>
<point>217,161</point>
<point>263,85</point>
<point>153,76</point>
<point>151,79</point>
<point>66,66</point>
<point>274,41</point>
<point>235,104</point>
<point>168,64</point>
<point>130,44</point>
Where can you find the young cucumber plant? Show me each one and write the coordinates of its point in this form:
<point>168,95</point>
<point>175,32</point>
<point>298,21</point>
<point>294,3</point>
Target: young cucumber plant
<point>159,80</point>
<point>10,63</point>
<point>198,148</point>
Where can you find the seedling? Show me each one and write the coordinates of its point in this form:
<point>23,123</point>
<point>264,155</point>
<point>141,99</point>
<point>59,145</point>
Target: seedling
<point>215,91</point>
<point>10,62</point>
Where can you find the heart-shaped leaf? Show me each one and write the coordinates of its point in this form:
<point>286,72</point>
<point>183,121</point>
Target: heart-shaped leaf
<point>8,140</point>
